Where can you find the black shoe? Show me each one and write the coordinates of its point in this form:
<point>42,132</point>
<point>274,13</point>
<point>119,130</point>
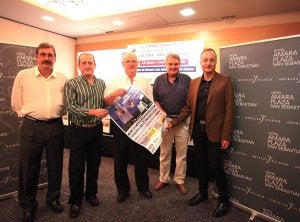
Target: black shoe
<point>122,197</point>
<point>147,194</point>
<point>28,214</point>
<point>56,206</point>
<point>198,198</point>
<point>74,210</point>
<point>93,200</point>
<point>221,209</point>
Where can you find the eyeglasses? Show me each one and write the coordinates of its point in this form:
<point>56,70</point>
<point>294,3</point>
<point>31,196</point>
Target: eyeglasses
<point>130,61</point>
<point>50,55</point>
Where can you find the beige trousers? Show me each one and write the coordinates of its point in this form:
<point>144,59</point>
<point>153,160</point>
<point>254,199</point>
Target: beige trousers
<point>178,134</point>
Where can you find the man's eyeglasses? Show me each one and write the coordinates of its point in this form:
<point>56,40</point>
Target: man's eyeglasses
<point>130,62</point>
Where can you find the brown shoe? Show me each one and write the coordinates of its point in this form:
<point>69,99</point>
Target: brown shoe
<point>160,185</point>
<point>182,188</point>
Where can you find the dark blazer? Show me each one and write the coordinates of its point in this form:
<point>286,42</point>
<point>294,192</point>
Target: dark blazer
<point>219,109</point>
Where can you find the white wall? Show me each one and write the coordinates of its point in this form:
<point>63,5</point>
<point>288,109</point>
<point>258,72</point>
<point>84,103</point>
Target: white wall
<point>18,34</point>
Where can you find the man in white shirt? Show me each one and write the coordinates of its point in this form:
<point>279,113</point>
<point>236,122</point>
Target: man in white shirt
<point>123,143</point>
<point>37,96</point>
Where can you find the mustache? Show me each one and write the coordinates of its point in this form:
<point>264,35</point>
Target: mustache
<point>47,62</point>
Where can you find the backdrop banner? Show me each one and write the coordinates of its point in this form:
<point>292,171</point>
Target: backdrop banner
<point>13,58</point>
<point>263,164</point>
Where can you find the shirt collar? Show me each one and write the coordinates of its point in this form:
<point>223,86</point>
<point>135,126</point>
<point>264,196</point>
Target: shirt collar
<point>177,76</point>
<point>37,73</point>
<point>84,78</point>
<point>128,80</point>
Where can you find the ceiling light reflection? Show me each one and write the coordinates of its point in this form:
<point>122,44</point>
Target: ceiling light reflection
<point>88,9</point>
<point>187,12</point>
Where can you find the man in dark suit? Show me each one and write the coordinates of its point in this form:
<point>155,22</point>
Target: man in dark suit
<point>210,103</point>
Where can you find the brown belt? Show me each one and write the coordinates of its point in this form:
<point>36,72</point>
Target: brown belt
<point>42,121</point>
<point>88,125</point>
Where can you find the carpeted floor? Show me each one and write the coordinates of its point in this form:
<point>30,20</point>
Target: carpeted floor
<point>167,205</point>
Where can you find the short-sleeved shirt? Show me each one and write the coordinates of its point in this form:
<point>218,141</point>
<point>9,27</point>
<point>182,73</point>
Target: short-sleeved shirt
<point>123,82</point>
<point>171,97</point>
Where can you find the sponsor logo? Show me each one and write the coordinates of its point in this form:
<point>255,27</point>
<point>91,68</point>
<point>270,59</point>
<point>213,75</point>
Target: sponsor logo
<point>278,100</point>
<point>3,134</point>
<point>8,179</point>
<point>43,171</point>
<point>248,191</point>
<point>292,79</point>
<point>234,170</point>
<point>262,119</point>
<point>295,123</point>
<point>2,76</point>
<point>269,160</point>
<point>289,205</point>
<point>240,62</point>
<point>278,142</point>
<point>237,136</point>
<point>269,213</point>
<point>12,145</point>
<point>5,108</point>
<point>24,61</point>
<point>233,151</point>
<point>239,100</point>
<point>4,168</point>
<point>284,57</point>
<point>254,79</point>
<point>278,183</point>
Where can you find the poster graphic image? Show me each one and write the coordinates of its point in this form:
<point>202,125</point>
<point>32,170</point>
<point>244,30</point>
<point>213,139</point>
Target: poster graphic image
<point>139,118</point>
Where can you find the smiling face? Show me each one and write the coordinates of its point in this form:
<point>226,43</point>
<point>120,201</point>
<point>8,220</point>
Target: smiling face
<point>86,64</point>
<point>172,65</point>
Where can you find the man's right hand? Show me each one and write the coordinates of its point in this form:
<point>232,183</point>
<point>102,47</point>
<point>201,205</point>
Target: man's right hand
<point>168,126</point>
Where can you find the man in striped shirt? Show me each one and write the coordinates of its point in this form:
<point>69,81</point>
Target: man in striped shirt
<point>84,100</point>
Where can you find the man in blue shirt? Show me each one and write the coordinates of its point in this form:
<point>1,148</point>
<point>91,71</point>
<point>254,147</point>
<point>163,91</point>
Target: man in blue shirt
<point>169,93</point>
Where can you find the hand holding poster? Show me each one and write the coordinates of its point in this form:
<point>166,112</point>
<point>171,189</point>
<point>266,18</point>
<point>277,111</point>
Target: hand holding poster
<point>139,118</point>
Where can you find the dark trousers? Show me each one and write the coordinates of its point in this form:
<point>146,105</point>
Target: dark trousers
<point>85,150</point>
<point>209,158</point>
<point>34,136</point>
<point>141,156</point>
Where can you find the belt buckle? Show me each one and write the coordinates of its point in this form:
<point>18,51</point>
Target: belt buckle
<point>90,125</point>
<point>202,122</point>
<point>87,125</point>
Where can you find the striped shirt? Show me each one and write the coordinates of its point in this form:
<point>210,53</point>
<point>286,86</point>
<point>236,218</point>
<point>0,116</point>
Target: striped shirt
<point>81,96</point>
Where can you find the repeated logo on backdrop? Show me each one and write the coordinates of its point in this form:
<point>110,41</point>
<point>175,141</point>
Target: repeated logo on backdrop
<point>263,163</point>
